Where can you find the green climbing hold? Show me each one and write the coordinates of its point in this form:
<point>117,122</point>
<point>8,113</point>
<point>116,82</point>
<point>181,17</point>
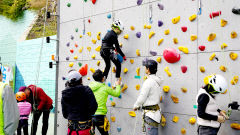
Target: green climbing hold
<point>111,98</point>
<point>85,0</point>
<point>69,4</point>
<point>137,77</point>
<point>76,29</point>
<point>79,64</point>
<point>195,106</point>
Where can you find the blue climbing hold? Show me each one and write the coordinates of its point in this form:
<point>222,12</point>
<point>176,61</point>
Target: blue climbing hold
<point>120,96</point>
<point>119,129</point>
<point>63,78</point>
<point>109,84</point>
<point>160,23</point>
<point>120,58</point>
<point>111,98</point>
<point>138,34</point>
<point>68,44</point>
<point>109,16</point>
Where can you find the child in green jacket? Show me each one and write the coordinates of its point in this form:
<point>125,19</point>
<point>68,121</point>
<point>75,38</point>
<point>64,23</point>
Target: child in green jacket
<point>101,92</point>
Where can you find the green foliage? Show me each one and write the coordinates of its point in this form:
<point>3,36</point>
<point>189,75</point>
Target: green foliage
<point>12,9</point>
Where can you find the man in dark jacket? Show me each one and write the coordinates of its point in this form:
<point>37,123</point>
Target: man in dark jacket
<point>42,104</point>
<point>78,105</point>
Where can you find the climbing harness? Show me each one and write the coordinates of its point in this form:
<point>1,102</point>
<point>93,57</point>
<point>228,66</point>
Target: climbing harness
<point>106,124</point>
<point>146,109</point>
<point>78,126</point>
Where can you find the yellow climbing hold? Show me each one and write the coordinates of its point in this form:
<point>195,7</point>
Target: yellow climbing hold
<point>183,131</point>
<point>176,20</point>
<point>223,68</point>
<point>183,49</point>
<point>160,41</point>
<point>192,120</point>
<point>159,59</point>
<point>137,87</point>
<point>184,90</point>
<point>81,36</point>
<point>99,35</point>
<point>114,70</point>
<point>126,36</point>
<point>235,126</point>
<point>89,34</point>
<point>174,98</point>
<point>167,32</point>
<point>88,78</point>
<point>113,104</point>
<point>71,64</point>
<point>212,57</point>
<point>125,70</point>
<point>138,52</point>
<point>166,69</point>
<point>202,69</point>
<point>124,87</point>
<point>93,56</point>
<point>166,89</point>
<point>223,46</point>
<point>132,28</point>
<point>233,55</point>
<point>75,57</point>
<point>94,41</point>
<point>80,50</point>
<point>121,44</point>
<point>223,22</point>
<point>211,37</point>
<point>147,26</point>
<point>233,34</point>
<point>175,119</point>
<point>193,37</point>
<point>234,80</point>
<point>163,121</point>
<point>145,78</point>
<point>161,99</point>
<point>113,119</point>
<point>92,70</point>
<point>138,71</point>
<point>131,61</point>
<point>98,63</point>
<point>151,34</point>
<point>132,113</point>
<point>175,40</point>
<point>192,17</point>
<point>89,48</point>
<point>98,49</point>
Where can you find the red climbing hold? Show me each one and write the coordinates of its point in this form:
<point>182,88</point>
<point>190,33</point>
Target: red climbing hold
<point>184,69</point>
<point>71,50</point>
<point>201,48</point>
<point>171,55</point>
<point>89,21</point>
<point>184,28</point>
<point>93,1</point>
<point>214,14</point>
<point>83,70</point>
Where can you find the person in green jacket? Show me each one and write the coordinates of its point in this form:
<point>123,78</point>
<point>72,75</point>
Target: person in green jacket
<point>101,92</point>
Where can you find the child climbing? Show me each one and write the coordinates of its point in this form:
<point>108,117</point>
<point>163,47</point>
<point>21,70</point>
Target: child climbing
<point>209,116</point>
<point>78,105</point>
<point>24,110</point>
<point>109,45</point>
<point>149,99</point>
<point>101,92</point>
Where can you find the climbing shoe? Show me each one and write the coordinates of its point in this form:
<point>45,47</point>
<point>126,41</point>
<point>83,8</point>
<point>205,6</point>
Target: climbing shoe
<point>236,11</point>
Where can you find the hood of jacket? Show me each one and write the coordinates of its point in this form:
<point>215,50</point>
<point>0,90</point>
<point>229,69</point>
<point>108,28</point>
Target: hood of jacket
<point>159,80</point>
<point>96,85</point>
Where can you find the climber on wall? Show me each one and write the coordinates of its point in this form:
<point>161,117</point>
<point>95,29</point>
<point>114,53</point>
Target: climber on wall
<point>149,99</point>
<point>209,116</point>
<point>101,92</point>
<point>78,105</point>
<point>234,105</point>
<point>109,45</point>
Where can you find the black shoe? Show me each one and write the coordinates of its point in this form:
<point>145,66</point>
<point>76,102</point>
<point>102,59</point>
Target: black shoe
<point>236,11</point>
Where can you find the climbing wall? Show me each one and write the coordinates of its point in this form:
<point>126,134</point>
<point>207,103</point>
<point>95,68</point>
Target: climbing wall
<point>152,26</point>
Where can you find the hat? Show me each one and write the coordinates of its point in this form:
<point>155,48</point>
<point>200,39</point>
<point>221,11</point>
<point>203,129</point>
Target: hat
<point>22,89</point>
<point>74,75</point>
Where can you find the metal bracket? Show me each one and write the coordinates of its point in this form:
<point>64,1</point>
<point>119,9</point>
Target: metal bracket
<point>49,15</point>
<point>150,14</point>
<point>48,39</point>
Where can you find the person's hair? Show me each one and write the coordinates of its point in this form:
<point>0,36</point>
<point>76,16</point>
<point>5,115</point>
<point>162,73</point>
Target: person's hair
<point>98,75</point>
<point>152,66</point>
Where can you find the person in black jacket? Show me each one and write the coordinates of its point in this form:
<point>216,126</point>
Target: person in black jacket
<point>109,45</point>
<point>78,105</point>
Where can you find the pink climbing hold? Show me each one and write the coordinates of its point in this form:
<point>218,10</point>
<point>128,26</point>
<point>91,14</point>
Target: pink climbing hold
<point>201,48</point>
<point>171,55</point>
<point>139,2</point>
<point>184,28</point>
<point>184,69</point>
<point>214,14</point>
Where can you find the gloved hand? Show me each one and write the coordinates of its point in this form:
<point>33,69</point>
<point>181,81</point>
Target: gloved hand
<point>124,58</point>
<point>221,119</point>
<point>234,105</point>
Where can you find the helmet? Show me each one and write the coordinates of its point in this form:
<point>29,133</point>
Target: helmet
<point>118,24</point>
<point>20,96</point>
<point>151,64</point>
<point>218,82</point>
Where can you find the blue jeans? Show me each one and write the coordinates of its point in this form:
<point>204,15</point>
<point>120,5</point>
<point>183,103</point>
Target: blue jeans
<point>150,130</point>
<point>204,130</point>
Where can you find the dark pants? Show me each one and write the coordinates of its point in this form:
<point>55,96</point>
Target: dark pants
<point>98,121</point>
<point>108,56</point>
<point>204,130</point>
<point>23,124</point>
<point>36,117</point>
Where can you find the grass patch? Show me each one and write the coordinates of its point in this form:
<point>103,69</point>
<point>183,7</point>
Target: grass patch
<point>37,4</point>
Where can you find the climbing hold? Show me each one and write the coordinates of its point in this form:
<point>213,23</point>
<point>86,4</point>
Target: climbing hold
<point>137,87</point>
<point>145,78</point>
<point>160,41</point>
<point>93,56</point>
<point>139,2</point>
<point>234,80</point>
<point>68,44</point>
<point>167,32</point>
<point>114,70</point>
<point>211,37</point>
<point>223,46</point>
<point>201,48</point>
<point>53,57</point>
<point>76,29</point>
<point>132,113</point>
<point>223,68</point>
<point>235,126</point>
<point>153,53</point>
<point>76,45</point>
<point>113,119</point>
<point>184,28</point>
<point>166,89</point>
<point>120,44</point>
<point>174,98</point>
<point>119,129</point>
<point>223,22</point>
<point>98,63</point>
<point>163,121</point>
<point>80,50</point>
<point>89,21</point>
<point>175,119</point>
<point>63,78</point>
<point>71,64</point>
<point>166,69</point>
<point>125,70</point>
<point>160,6</point>
<point>94,1</point>
<point>126,36</point>
<point>159,59</point>
<point>94,41</point>
<point>184,90</point>
<point>89,48</point>
<point>138,71</point>
<point>160,23</point>
<point>183,49</point>
<point>113,104</point>
<point>214,14</point>
<point>184,69</point>
<point>92,70</point>
<point>212,56</point>
<point>99,35</point>
<point>183,131</point>
<point>176,20</point>
<point>89,34</point>
<point>109,16</point>
<point>83,70</point>
<point>147,26</point>
<point>192,120</point>
<point>233,34</point>
<point>175,40</point>
<point>81,36</point>
<point>75,57</point>
<point>193,37</point>
<point>151,34</point>
<point>161,99</point>
<point>124,87</point>
<point>132,28</point>
<point>67,58</point>
<point>171,55</point>
<point>131,61</point>
<point>120,96</point>
<point>202,69</point>
<point>69,4</point>
<point>138,34</point>
<point>138,52</point>
<point>233,55</point>
<point>192,17</point>
<point>72,51</point>
<point>98,49</point>
<point>72,37</point>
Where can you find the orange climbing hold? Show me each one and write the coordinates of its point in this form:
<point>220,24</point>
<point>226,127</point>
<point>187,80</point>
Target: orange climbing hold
<point>137,87</point>
<point>175,40</point>
<point>174,98</point>
<point>124,87</point>
<point>132,28</point>
<point>202,69</point>
<point>235,126</point>
<point>223,23</point>
<point>193,37</point>
<point>184,90</point>
<point>234,80</point>
<point>113,119</point>
<point>83,70</point>
<point>211,37</point>
<point>233,34</point>
<point>183,131</point>
<point>223,68</point>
